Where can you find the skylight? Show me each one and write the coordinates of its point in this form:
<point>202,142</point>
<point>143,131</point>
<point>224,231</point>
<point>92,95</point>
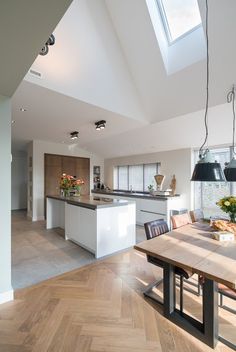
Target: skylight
<point>179,17</point>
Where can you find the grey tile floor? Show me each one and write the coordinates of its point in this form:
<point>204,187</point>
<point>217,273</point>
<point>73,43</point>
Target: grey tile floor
<point>39,254</point>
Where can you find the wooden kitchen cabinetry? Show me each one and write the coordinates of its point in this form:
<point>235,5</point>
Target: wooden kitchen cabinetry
<point>56,165</point>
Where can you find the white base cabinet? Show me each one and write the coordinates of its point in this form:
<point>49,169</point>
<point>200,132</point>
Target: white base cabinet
<point>102,231</point>
<point>149,209</point>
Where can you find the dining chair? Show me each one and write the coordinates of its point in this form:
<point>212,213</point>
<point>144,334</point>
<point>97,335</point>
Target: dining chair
<point>180,220</point>
<point>153,229</point>
<point>177,222</point>
<point>227,292</point>
<point>196,215</point>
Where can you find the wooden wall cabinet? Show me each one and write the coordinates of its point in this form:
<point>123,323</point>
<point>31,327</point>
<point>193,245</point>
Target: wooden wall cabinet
<point>56,165</point>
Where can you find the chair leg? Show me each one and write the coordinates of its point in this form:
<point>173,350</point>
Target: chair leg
<point>195,292</point>
<point>221,300</point>
<point>199,286</point>
<point>148,292</point>
<point>181,288</point>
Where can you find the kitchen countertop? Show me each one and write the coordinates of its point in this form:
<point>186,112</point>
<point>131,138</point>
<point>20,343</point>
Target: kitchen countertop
<point>134,194</point>
<point>91,202</point>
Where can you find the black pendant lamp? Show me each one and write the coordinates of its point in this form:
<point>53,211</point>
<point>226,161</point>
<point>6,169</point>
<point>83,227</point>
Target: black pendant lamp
<point>207,169</point>
<point>230,169</point>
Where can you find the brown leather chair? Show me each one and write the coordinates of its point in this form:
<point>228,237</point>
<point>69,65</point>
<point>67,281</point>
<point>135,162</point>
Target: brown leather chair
<point>223,291</point>
<point>196,215</point>
<point>180,220</point>
<point>153,229</point>
<point>227,292</point>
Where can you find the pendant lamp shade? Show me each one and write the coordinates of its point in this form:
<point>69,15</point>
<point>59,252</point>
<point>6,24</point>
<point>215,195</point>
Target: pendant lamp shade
<point>230,171</point>
<point>208,171</point>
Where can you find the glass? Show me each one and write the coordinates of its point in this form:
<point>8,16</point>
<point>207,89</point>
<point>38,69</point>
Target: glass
<point>150,170</point>
<point>136,177</point>
<point>206,194</point>
<point>123,177</point>
<point>181,16</point>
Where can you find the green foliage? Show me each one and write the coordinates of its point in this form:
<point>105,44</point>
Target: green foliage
<point>227,204</point>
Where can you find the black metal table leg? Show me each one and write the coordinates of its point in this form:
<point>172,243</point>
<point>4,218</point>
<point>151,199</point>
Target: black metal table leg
<point>207,331</point>
<point>210,312</point>
<point>169,290</point>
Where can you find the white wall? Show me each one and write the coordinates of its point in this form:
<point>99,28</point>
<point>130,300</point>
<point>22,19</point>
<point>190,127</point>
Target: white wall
<point>178,162</point>
<point>186,131</point>
<point>39,149</point>
<point>19,181</point>
<point>6,292</point>
<point>97,72</point>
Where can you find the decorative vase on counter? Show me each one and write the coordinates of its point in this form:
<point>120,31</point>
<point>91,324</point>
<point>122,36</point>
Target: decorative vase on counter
<point>232,217</point>
<point>65,192</point>
<point>77,194</point>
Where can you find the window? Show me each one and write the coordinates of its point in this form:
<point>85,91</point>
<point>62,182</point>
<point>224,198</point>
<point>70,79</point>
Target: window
<point>123,177</point>
<point>150,170</point>
<point>135,177</point>
<point>206,194</point>
<point>179,17</point>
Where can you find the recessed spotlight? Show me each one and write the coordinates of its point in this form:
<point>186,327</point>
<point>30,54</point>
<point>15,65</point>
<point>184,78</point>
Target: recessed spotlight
<point>23,109</point>
<point>74,135</point>
<point>100,125</point>
<point>13,121</point>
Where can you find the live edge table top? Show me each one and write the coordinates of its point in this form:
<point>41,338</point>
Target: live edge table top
<point>191,247</point>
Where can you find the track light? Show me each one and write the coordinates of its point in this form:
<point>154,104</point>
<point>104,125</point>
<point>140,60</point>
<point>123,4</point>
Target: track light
<point>74,135</point>
<point>45,49</point>
<point>100,125</point>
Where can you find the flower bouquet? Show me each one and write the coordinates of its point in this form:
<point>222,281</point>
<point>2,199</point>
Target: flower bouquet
<point>66,183</point>
<point>77,185</point>
<point>70,183</point>
<point>228,205</point>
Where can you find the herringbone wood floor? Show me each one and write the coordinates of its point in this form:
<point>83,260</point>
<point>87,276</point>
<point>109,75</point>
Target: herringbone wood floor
<point>98,308</point>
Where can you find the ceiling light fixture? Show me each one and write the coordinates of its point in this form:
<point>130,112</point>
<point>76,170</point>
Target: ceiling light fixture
<point>45,48</point>
<point>230,169</point>
<point>100,125</point>
<point>74,135</point>
<point>206,168</point>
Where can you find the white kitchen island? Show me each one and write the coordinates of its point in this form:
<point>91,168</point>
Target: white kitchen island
<point>101,225</point>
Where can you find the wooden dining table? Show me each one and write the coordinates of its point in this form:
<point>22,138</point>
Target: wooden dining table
<point>192,248</point>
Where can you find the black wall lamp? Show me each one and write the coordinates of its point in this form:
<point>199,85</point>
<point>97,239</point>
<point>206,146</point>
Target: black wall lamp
<point>74,135</point>
<point>206,168</point>
<point>230,169</point>
<point>100,125</point>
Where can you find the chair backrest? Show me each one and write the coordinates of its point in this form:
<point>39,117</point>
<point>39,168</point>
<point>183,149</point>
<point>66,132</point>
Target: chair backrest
<point>180,220</point>
<point>196,215</point>
<point>155,228</point>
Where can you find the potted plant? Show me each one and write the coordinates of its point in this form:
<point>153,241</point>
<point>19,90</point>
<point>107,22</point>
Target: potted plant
<point>66,183</point>
<point>70,183</point>
<point>77,185</point>
<point>228,205</point>
<point>151,189</point>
